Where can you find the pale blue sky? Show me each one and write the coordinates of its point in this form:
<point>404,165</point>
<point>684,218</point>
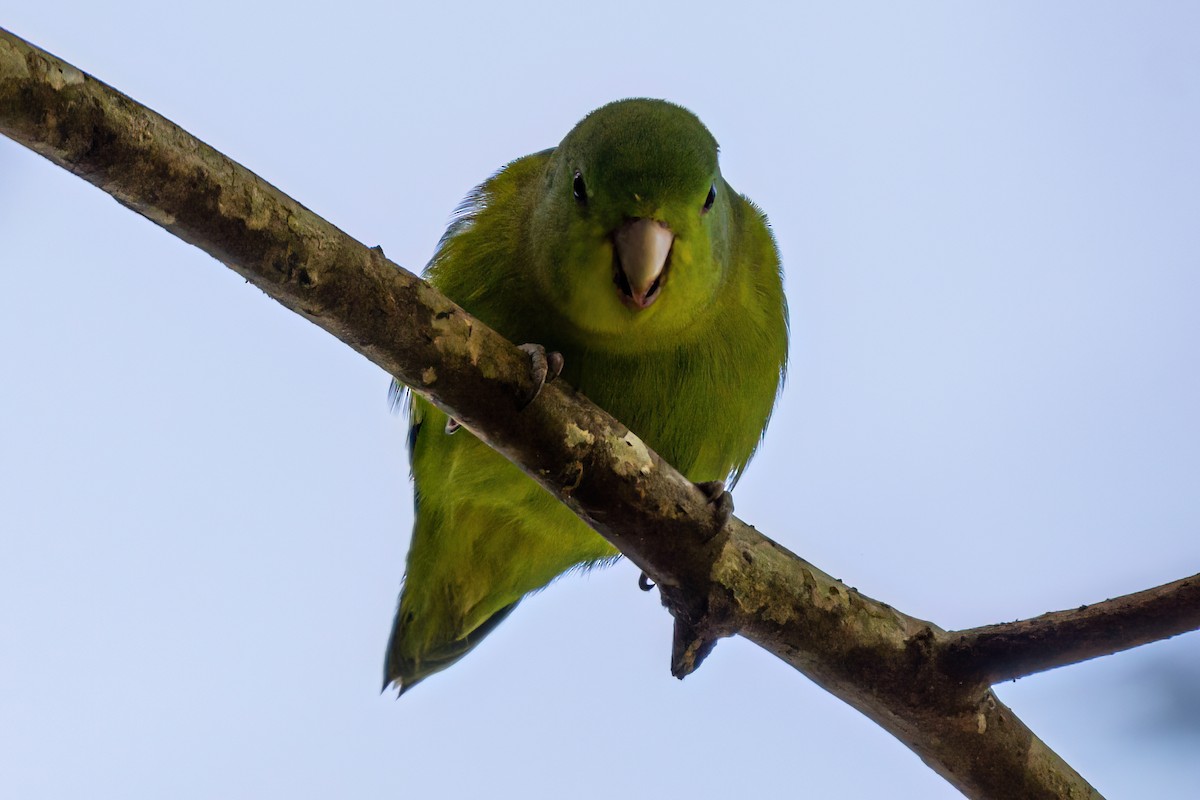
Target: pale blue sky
<point>989,220</point>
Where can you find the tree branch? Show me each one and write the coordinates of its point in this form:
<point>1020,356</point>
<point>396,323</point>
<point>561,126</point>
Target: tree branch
<point>1011,650</point>
<point>716,580</point>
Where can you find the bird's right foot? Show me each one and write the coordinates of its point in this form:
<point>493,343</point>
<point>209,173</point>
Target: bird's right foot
<point>546,367</point>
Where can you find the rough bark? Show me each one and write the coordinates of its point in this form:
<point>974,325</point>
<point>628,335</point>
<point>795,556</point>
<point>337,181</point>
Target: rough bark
<point>717,580</point>
<point>996,653</point>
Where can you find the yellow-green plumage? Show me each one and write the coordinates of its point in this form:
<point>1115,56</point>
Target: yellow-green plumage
<point>690,357</point>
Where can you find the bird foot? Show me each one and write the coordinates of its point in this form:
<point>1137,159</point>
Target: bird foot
<point>546,367</point>
<point>689,647</point>
<point>719,499</point>
<point>644,582</point>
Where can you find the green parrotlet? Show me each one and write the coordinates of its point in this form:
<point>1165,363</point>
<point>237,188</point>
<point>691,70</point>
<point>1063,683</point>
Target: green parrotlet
<point>625,250</point>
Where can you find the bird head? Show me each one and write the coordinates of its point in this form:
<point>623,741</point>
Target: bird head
<point>630,229</point>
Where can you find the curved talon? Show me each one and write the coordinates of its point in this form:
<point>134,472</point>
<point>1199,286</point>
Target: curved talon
<point>538,370</point>
<point>554,363</point>
<point>644,583</point>
<point>546,367</point>
<point>721,500</point>
<point>452,425</point>
<point>689,647</point>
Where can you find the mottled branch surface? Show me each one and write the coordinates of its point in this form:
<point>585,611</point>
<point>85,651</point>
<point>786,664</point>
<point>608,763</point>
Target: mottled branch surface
<point>1010,650</point>
<point>716,580</point>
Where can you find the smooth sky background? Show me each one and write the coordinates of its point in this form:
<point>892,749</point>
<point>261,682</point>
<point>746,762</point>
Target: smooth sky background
<point>989,215</point>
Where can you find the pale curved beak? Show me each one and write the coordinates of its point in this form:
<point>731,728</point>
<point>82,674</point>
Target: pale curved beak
<point>642,247</point>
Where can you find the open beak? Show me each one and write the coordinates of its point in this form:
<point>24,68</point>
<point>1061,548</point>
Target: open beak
<point>642,247</point>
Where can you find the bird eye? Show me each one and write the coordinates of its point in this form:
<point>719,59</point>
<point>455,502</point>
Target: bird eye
<point>712,198</point>
<point>578,187</point>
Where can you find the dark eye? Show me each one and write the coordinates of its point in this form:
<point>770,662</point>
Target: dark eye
<point>579,188</point>
<point>712,198</point>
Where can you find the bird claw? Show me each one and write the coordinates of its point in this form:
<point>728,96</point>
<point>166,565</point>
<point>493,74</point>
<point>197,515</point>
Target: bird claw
<point>546,367</point>
<point>452,425</point>
<point>719,499</point>
<point>690,645</point>
<point>644,582</point>
<point>555,362</point>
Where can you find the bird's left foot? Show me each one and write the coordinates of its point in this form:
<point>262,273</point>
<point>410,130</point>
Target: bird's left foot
<point>546,367</point>
<point>719,499</point>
